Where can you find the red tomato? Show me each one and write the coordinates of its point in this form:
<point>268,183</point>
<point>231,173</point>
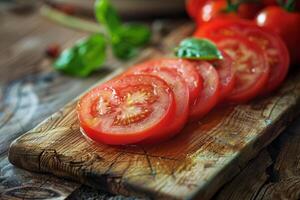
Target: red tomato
<point>211,10</point>
<point>250,66</point>
<point>181,94</point>
<point>187,71</point>
<point>226,75</point>
<point>192,6</point>
<point>269,2</point>
<point>277,53</point>
<point>126,110</point>
<point>216,9</point>
<point>209,96</point>
<point>286,24</point>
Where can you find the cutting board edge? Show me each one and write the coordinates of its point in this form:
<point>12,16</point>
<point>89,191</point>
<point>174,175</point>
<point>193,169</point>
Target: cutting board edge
<point>250,151</point>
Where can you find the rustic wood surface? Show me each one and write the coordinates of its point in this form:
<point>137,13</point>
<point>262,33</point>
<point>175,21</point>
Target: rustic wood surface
<point>274,174</point>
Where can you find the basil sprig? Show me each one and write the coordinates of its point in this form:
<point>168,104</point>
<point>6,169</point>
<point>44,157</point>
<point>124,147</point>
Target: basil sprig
<point>198,49</point>
<point>84,57</point>
<point>126,39</point>
<point>89,54</point>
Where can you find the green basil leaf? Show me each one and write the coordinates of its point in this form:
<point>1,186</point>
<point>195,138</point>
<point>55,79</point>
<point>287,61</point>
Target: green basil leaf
<point>135,34</point>
<point>107,15</point>
<point>127,42</point>
<point>86,56</point>
<point>123,50</point>
<point>198,49</point>
<point>125,39</point>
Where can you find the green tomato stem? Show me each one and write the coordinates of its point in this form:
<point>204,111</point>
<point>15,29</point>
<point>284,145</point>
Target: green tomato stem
<point>289,5</point>
<point>70,21</point>
<point>231,7</point>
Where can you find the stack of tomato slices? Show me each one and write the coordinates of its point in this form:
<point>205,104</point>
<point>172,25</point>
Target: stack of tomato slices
<point>152,101</point>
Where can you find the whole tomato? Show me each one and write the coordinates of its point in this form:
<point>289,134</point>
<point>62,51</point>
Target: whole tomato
<point>219,8</point>
<point>269,2</point>
<point>284,23</point>
<point>192,6</point>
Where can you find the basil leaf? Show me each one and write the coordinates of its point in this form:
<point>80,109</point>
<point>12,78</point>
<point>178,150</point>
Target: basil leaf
<point>125,39</point>
<point>86,56</point>
<point>135,34</point>
<point>198,49</point>
<point>123,49</point>
<point>127,42</point>
<point>107,15</point>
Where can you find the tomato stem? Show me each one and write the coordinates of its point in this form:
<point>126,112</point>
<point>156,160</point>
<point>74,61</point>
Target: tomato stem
<point>231,7</point>
<point>289,5</point>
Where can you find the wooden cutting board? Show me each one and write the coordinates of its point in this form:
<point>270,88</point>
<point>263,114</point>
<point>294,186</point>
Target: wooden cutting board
<point>193,165</point>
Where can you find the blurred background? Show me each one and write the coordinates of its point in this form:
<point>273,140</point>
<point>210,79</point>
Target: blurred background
<point>126,8</point>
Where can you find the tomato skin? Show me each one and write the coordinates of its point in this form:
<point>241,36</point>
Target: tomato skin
<point>95,125</point>
<point>269,2</point>
<point>284,23</point>
<point>209,96</point>
<point>213,9</point>
<point>192,7</point>
<point>181,95</point>
<point>271,43</point>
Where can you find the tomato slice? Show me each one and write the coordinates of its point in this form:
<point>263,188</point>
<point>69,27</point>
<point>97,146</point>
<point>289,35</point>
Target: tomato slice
<point>181,94</point>
<point>209,96</point>
<point>186,69</point>
<point>226,73</point>
<point>250,66</point>
<point>277,53</point>
<point>126,110</point>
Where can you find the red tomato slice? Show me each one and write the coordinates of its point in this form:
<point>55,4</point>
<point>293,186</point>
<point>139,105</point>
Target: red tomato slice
<point>178,86</point>
<point>209,96</point>
<point>277,53</point>
<point>250,66</point>
<point>181,94</point>
<point>226,75</point>
<point>186,69</point>
<point>126,110</point>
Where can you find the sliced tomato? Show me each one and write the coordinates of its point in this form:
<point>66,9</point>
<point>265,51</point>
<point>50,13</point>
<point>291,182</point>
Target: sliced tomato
<point>250,66</point>
<point>277,53</point>
<point>226,73</point>
<point>126,110</point>
<point>181,94</point>
<point>209,96</point>
<point>186,69</point>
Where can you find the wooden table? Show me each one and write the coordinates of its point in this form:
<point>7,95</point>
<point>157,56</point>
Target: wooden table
<point>30,90</point>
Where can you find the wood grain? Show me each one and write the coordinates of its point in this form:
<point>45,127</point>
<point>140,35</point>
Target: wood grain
<point>29,92</point>
<point>197,163</point>
<point>274,174</point>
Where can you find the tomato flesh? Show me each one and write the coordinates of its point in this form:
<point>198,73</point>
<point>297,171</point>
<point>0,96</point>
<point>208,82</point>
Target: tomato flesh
<point>250,66</point>
<point>186,69</point>
<point>277,53</point>
<point>226,74</point>
<point>209,96</point>
<point>181,95</point>
<point>126,110</point>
